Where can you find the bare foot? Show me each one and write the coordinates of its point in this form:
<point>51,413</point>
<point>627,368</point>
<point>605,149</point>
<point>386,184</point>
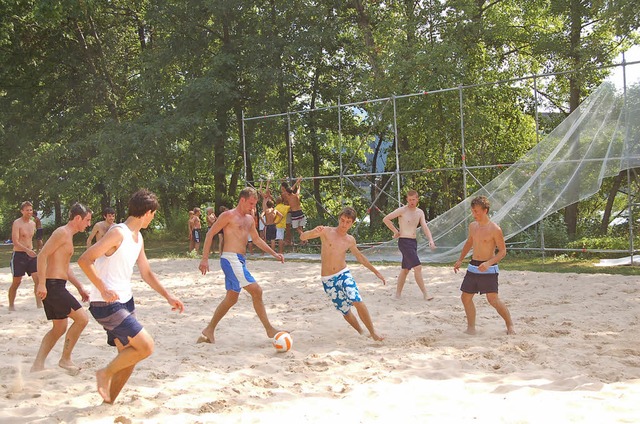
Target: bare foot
<point>205,339</point>
<point>12,308</point>
<point>511,330</point>
<point>272,332</point>
<point>71,368</point>
<point>396,296</point>
<point>104,385</point>
<point>470,331</point>
<point>376,337</point>
<point>37,367</point>
<point>427,297</point>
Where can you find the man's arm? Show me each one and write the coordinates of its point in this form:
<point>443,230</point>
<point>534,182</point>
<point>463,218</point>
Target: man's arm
<point>426,231</point>
<point>311,234</point>
<point>109,243</point>
<point>364,261</point>
<point>465,249</point>
<point>220,223</point>
<point>262,245</point>
<point>77,284</point>
<point>152,280</point>
<point>498,237</point>
<point>387,221</point>
<point>278,215</point>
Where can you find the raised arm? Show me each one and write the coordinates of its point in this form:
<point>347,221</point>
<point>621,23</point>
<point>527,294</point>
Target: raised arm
<point>311,234</point>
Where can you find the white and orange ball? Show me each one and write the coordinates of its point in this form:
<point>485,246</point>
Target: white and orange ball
<point>282,341</point>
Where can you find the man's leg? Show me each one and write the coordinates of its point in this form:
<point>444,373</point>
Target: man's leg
<point>13,291</point>
<point>417,272</point>
<point>495,301</point>
<point>363,313</point>
<point>36,279</point>
<point>139,348</point>
<point>470,311</point>
<point>351,318</point>
<point>121,377</point>
<point>256,295</point>
<point>229,300</point>
<point>48,342</point>
<point>80,321</point>
<point>402,277</point>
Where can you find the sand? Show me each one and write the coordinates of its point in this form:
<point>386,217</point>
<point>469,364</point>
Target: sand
<point>575,358</point>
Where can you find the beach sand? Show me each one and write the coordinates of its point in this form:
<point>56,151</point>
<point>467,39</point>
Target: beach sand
<point>575,357</point>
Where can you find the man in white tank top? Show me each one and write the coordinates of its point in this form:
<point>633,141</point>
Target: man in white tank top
<point>109,265</point>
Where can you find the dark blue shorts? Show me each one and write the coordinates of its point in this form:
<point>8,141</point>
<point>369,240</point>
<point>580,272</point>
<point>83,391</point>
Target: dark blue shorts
<point>59,302</point>
<point>409,249</point>
<point>21,264</point>
<point>482,283</point>
<point>118,320</point>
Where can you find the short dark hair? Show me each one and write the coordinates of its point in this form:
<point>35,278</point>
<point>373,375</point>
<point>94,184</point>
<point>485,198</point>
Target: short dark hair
<point>108,211</point>
<point>481,201</point>
<point>78,209</point>
<point>141,202</point>
<point>269,203</point>
<point>348,212</point>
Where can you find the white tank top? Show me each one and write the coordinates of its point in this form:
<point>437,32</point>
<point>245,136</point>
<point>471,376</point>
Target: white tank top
<point>116,270</point>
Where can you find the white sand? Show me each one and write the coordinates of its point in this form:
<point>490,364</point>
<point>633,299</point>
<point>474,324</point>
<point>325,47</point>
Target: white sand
<point>576,357</point>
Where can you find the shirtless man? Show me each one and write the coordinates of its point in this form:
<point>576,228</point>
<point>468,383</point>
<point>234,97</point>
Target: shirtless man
<point>23,259</point>
<point>238,224</point>
<point>409,217</point>
<point>196,229</point>
<point>292,197</point>
<point>271,218</point>
<point>101,228</point>
<point>59,305</point>
<point>109,266</point>
<point>336,277</point>
<point>485,237</point>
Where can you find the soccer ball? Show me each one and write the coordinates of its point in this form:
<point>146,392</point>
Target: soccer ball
<point>282,341</point>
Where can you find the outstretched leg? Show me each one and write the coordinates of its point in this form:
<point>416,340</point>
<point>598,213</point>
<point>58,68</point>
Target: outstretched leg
<point>470,311</point>
<point>138,348</point>
<point>256,295</point>
<point>363,313</point>
<point>495,301</point>
<point>48,342</point>
<point>229,300</point>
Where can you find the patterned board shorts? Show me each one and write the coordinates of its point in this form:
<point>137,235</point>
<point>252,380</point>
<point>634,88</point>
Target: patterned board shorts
<point>342,290</point>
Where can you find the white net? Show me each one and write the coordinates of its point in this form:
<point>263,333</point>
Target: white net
<point>598,140</point>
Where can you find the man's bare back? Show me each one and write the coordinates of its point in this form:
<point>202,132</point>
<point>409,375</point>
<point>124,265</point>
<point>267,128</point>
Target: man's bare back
<point>58,260</point>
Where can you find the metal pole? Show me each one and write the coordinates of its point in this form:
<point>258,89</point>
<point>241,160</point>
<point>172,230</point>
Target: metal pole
<point>535,105</point>
<point>289,145</point>
<point>340,149</point>
<point>630,196</point>
<point>464,157</point>
<point>395,135</point>
<point>244,150</point>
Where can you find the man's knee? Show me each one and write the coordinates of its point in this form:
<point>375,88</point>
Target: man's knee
<point>493,299</point>
<point>143,343</point>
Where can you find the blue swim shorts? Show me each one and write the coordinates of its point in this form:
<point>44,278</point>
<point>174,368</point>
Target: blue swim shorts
<point>236,274</point>
<point>118,320</point>
<point>342,290</point>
